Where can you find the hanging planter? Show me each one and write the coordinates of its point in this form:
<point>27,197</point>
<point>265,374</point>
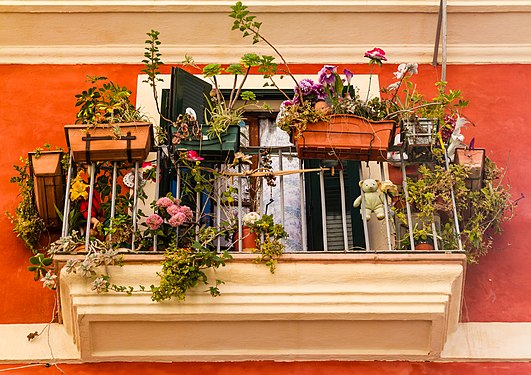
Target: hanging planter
<point>100,143</point>
<point>346,137</point>
<point>214,149</point>
<point>49,186</point>
<point>475,161</point>
<point>419,135</point>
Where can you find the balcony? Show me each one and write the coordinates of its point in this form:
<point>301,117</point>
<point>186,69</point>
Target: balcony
<point>355,293</point>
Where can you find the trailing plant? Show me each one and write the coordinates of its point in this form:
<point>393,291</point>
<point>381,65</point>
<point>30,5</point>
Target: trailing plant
<point>27,223</point>
<point>269,236</point>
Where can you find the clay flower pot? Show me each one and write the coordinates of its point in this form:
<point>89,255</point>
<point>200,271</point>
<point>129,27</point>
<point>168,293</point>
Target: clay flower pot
<point>248,240</point>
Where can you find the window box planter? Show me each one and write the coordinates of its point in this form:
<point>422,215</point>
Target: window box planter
<point>49,185</point>
<point>212,149</point>
<point>346,137</point>
<point>99,144</point>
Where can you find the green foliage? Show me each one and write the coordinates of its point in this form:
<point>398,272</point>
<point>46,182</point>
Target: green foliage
<point>105,103</point>
<point>295,118</point>
<point>185,268</point>
<point>480,213</point>
<point>269,240</point>
<point>40,265</point>
<point>27,223</point>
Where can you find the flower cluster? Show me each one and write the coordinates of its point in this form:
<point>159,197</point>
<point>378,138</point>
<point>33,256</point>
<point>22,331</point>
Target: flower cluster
<point>171,210</point>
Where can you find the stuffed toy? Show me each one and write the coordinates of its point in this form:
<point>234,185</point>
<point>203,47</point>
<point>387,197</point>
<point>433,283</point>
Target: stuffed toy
<point>373,197</point>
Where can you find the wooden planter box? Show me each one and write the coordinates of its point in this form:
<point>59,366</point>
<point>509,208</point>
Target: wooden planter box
<point>475,161</point>
<point>49,186</point>
<point>211,149</point>
<point>99,144</point>
<point>346,137</point>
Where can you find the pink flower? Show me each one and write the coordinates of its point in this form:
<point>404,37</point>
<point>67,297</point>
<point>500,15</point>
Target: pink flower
<point>193,156</point>
<point>187,212</point>
<point>164,202</point>
<point>154,221</point>
<point>376,54</point>
<point>173,209</point>
<point>177,219</point>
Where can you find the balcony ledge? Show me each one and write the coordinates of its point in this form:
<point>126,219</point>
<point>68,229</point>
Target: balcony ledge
<point>315,307</point>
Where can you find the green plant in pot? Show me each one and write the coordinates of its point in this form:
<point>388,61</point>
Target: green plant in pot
<point>222,111</point>
<point>268,238</point>
<point>109,127</point>
<point>479,213</point>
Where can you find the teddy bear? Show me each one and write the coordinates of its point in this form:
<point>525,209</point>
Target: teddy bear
<point>373,197</point>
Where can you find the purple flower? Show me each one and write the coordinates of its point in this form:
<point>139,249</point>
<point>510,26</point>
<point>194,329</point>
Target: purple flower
<point>348,74</point>
<point>154,221</point>
<point>376,54</point>
<point>178,219</point>
<point>164,202</point>
<point>311,91</point>
<point>327,75</point>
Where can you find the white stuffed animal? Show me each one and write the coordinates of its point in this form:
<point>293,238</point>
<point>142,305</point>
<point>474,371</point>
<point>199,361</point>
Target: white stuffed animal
<point>373,197</point>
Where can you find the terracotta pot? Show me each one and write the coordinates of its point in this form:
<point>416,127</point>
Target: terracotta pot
<point>346,137</point>
<point>248,240</point>
<point>475,161</point>
<point>99,144</point>
<point>423,246</point>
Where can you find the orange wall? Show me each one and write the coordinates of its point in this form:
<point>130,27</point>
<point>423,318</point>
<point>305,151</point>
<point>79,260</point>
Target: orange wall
<point>36,101</point>
<point>293,368</point>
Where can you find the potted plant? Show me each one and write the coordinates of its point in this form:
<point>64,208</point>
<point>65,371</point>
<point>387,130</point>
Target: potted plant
<point>269,236</point>
<point>108,126</point>
<point>219,137</point>
<point>248,240</point>
<point>46,167</point>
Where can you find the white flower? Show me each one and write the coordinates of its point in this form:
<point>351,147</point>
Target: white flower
<point>250,218</point>
<point>48,281</point>
<point>411,68</point>
<point>393,86</point>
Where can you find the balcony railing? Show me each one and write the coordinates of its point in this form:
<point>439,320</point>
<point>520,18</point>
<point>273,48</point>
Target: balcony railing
<point>276,184</point>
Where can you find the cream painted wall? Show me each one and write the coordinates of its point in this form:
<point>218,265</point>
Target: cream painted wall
<point>306,31</point>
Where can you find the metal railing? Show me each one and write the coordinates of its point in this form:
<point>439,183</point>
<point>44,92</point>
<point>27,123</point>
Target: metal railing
<point>286,200</point>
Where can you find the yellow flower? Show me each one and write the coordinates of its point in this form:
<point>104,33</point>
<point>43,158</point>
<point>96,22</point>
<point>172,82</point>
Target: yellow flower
<point>78,188</point>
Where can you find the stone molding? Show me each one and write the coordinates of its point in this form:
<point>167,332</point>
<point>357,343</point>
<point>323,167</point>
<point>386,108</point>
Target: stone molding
<point>326,307</point>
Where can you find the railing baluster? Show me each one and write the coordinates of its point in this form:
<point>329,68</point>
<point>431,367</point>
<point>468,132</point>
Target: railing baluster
<point>343,208</point>
<point>304,228</point>
<point>89,208</point>
<point>240,208</point>
<point>386,208</point>
<point>66,210</point>
<point>323,209</point>
<point>113,195</point>
<point>408,208</point>
<point>135,207</point>
<point>281,186</point>
<point>157,186</point>
<point>363,218</point>
<point>456,219</point>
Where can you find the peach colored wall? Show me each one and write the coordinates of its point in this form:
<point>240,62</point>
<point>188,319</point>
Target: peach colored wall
<point>293,368</point>
<point>37,100</point>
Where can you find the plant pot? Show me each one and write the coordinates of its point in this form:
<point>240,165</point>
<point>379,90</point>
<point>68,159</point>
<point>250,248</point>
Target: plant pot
<point>99,144</point>
<point>212,149</point>
<point>248,240</point>
<point>475,161</point>
<point>419,135</point>
<point>346,137</point>
<point>424,245</point>
<point>49,185</point>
